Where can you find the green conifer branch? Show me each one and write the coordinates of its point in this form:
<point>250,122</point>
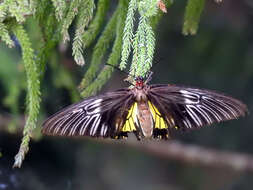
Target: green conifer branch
<point>42,12</point>
<point>24,6</point>
<point>33,6</point>
<point>23,150</point>
<point>150,45</point>
<point>193,12</point>
<point>33,90</point>
<point>144,40</point>
<point>18,9</point>
<point>3,11</point>
<point>114,57</point>
<point>90,34</point>
<point>15,11</point>
<point>100,49</point>
<point>60,7</point>
<point>72,12</point>
<point>50,31</point>
<point>148,8</point>
<point>135,58</point>
<point>83,20</point>
<point>128,34</point>
<point>4,34</point>
<point>139,49</point>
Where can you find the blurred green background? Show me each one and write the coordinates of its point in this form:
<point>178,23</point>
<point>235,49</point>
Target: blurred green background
<point>218,57</point>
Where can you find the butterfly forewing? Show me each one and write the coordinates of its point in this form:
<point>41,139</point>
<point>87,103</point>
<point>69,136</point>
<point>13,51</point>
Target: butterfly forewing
<point>188,108</point>
<point>95,116</point>
<point>156,108</point>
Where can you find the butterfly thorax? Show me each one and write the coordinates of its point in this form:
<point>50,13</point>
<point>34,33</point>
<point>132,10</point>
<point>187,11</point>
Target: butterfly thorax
<point>143,112</point>
<point>140,93</point>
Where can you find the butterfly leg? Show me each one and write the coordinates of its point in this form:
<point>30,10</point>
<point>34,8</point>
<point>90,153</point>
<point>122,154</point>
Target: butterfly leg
<point>122,135</point>
<point>161,134</point>
<point>137,134</point>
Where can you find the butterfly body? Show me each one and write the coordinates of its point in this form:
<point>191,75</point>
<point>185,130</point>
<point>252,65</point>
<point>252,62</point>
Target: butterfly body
<point>144,117</point>
<point>146,110</point>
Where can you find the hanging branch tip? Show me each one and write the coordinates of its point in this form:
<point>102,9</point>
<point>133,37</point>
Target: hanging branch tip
<point>162,6</point>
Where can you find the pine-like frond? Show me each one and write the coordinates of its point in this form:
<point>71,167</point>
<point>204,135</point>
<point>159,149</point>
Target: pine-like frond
<point>60,8</point>
<point>33,90</point>
<point>193,11</point>
<point>72,12</point>
<point>83,20</point>
<point>128,33</point>
<point>4,34</point>
<point>94,27</point>
<point>100,50</point>
<point>114,57</point>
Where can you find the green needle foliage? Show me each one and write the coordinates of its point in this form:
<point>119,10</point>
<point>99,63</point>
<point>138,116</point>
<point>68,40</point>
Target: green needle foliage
<point>118,37</point>
<point>82,21</point>
<point>99,50</point>
<point>72,12</point>
<point>143,40</point>
<point>94,28</point>
<point>193,11</point>
<point>128,33</point>
<point>60,7</point>
<point>114,56</point>
<point>4,34</point>
<point>33,89</point>
<point>3,11</point>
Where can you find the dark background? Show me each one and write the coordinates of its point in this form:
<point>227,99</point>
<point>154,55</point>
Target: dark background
<point>218,57</point>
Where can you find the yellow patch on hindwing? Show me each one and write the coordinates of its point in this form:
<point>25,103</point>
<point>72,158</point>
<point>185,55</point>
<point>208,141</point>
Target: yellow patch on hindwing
<point>159,122</point>
<point>130,119</point>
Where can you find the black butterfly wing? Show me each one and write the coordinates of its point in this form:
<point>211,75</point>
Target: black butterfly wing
<point>188,108</point>
<point>94,116</point>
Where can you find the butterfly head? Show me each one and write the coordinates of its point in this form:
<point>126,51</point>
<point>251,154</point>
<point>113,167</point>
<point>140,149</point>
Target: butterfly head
<point>139,82</point>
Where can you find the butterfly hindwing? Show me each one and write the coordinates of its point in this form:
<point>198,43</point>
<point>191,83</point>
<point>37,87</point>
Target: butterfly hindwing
<point>189,108</point>
<point>95,116</point>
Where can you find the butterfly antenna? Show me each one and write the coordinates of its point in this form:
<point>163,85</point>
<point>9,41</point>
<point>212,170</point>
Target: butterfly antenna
<point>156,61</point>
<point>150,73</point>
<point>120,70</point>
<point>127,79</point>
<point>149,78</point>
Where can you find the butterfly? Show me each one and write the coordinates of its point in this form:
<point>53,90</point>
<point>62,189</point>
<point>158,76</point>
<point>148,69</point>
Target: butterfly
<point>149,111</point>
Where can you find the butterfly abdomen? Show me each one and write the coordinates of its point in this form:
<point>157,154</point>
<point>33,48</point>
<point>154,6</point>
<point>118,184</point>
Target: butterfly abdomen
<point>145,119</point>
<point>143,112</point>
